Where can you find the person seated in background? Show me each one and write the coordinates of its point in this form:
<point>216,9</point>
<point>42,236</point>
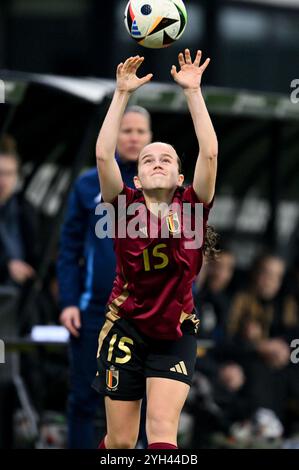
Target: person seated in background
<point>291,283</point>
<point>217,402</point>
<point>18,222</point>
<point>212,296</point>
<point>261,323</point>
<point>250,369</point>
<point>18,262</point>
<point>218,387</point>
<point>263,311</point>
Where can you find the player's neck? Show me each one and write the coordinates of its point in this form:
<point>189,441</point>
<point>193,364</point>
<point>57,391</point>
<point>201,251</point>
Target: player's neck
<point>158,196</point>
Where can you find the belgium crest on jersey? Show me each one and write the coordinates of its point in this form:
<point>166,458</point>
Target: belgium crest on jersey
<point>173,222</point>
<point>112,378</point>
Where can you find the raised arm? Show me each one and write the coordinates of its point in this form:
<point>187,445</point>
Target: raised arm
<point>189,78</point>
<point>127,82</point>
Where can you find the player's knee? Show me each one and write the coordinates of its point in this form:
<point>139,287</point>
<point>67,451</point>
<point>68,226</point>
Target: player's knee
<point>159,425</point>
<point>123,441</point>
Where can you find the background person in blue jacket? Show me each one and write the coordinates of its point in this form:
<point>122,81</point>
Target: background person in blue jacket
<point>86,271</point>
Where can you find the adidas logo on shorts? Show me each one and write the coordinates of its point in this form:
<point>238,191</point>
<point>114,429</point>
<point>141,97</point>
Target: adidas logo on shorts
<point>180,368</point>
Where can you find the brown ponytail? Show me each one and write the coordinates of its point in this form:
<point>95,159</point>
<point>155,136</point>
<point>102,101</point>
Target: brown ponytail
<point>210,247</point>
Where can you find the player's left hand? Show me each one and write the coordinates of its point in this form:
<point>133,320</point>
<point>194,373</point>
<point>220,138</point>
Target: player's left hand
<point>189,77</point>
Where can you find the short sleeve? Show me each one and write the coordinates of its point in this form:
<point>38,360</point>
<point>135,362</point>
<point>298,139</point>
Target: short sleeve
<point>189,195</point>
<point>129,193</point>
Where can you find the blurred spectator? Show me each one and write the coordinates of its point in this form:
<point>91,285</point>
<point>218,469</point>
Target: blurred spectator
<point>292,278</point>
<point>18,222</point>
<point>18,261</point>
<point>264,311</point>
<point>212,298</point>
<point>248,373</point>
<point>262,321</point>
<point>217,384</point>
<point>216,402</point>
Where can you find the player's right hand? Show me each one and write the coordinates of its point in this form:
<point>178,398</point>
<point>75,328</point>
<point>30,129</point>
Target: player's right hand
<point>127,80</point>
<point>70,317</point>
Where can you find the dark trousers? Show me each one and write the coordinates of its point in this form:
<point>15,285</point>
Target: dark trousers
<point>7,406</point>
<point>85,406</point>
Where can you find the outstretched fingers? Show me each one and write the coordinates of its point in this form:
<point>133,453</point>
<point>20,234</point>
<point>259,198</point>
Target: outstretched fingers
<point>146,79</point>
<point>135,64</point>
<point>119,68</point>
<point>132,64</point>
<point>181,59</point>
<point>174,71</point>
<point>197,58</point>
<point>204,66</point>
<point>127,79</point>
<point>138,63</point>
<point>128,64</point>
<point>188,57</point>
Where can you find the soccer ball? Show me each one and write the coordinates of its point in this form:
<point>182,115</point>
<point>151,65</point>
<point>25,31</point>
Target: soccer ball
<point>155,23</point>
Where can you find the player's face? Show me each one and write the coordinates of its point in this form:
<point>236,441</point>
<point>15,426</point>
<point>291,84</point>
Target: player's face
<point>134,134</point>
<point>158,168</point>
<point>8,176</point>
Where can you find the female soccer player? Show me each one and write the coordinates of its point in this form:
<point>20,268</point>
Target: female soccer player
<point>148,342</point>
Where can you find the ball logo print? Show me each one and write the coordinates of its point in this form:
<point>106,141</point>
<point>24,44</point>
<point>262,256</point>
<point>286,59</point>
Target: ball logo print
<point>156,24</point>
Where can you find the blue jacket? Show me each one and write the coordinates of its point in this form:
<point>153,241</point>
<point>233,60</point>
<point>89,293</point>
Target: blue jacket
<point>86,264</point>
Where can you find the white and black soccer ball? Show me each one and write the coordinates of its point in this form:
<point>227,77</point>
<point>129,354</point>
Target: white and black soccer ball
<point>156,23</point>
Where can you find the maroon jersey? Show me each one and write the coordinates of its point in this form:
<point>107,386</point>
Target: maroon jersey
<point>154,275</point>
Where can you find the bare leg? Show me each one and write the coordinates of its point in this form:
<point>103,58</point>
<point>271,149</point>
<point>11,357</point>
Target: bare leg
<point>123,418</point>
<point>165,400</point>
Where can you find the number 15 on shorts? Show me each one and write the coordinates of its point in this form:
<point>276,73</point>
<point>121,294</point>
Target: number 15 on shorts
<point>122,346</point>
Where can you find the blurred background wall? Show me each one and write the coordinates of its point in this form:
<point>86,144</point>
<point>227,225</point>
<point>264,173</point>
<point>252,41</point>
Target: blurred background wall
<point>253,44</point>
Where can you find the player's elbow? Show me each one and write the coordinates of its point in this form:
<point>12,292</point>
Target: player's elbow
<point>211,153</point>
<point>101,156</point>
<point>210,149</point>
<point>103,153</point>
<point>214,154</point>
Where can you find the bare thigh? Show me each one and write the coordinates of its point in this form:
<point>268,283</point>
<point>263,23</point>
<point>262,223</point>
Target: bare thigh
<point>165,400</point>
<point>123,420</point>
